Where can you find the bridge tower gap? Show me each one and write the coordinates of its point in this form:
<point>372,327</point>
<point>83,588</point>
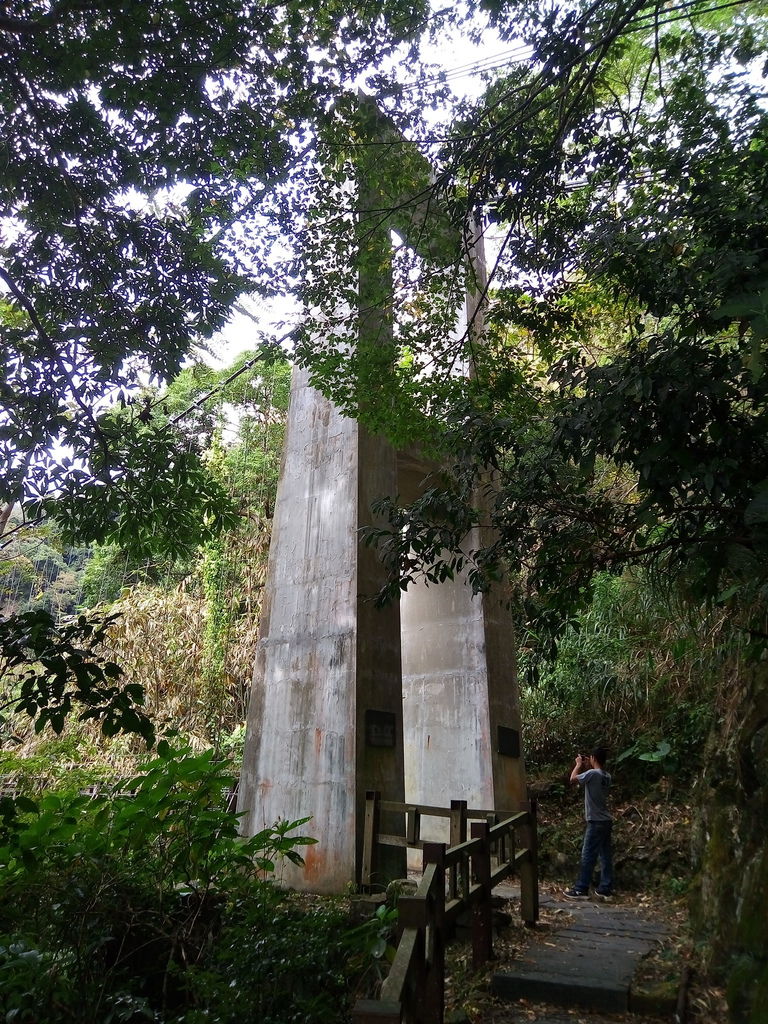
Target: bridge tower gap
<point>417,700</point>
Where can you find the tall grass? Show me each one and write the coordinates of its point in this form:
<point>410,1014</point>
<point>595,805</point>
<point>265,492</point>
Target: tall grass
<point>639,670</point>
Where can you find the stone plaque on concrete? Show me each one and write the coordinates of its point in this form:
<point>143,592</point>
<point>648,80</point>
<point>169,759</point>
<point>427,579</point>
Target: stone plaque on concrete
<point>509,742</point>
<point>380,728</point>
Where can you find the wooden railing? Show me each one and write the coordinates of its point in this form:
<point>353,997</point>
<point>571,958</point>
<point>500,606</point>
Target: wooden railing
<point>456,879</point>
<point>514,850</point>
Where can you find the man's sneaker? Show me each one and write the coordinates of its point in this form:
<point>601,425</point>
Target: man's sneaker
<point>575,894</point>
<point>603,895</point>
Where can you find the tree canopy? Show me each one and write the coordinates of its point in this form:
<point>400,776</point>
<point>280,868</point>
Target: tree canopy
<point>143,147</point>
<point>619,398</point>
<point>157,159</point>
<point>160,160</point>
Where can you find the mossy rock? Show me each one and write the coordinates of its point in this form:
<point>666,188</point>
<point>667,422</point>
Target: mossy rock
<point>656,999</point>
<point>751,931</point>
<point>747,991</point>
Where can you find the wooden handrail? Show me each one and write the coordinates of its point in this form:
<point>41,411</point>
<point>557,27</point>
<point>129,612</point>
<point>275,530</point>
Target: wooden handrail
<point>513,843</point>
<point>444,812</point>
<point>414,987</point>
<point>456,879</point>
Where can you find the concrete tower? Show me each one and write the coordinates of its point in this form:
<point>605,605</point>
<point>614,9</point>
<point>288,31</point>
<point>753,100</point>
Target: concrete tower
<point>417,700</point>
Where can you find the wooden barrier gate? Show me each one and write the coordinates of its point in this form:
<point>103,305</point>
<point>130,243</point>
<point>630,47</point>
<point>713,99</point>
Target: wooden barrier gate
<point>456,878</point>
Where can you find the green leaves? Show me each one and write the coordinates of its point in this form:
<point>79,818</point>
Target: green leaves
<point>171,818</point>
<point>51,669</point>
<point>624,168</point>
<point>144,902</point>
<point>148,492</point>
<point>151,177</point>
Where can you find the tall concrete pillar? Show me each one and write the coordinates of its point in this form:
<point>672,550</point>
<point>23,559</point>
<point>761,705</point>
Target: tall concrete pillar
<point>325,718</point>
<point>461,713</point>
<point>460,710</point>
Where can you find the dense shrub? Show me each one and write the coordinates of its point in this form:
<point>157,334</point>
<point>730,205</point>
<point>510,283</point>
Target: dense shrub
<point>146,905</point>
<point>278,959</point>
<point>633,672</point>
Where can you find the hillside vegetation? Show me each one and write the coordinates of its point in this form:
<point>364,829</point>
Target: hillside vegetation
<point>607,444</point>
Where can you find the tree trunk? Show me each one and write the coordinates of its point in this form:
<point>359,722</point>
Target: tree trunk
<point>730,849</point>
<point>5,515</point>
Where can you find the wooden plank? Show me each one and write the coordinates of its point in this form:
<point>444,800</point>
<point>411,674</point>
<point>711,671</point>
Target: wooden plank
<point>413,826</point>
<point>481,813</point>
<point>385,840</point>
<point>458,828</point>
<point>529,892</point>
<point>430,877</point>
<point>425,809</point>
<point>515,821</point>
<point>432,1000</point>
<point>395,982</point>
<point>370,828</point>
<point>503,818</point>
<point>455,908</point>
<point>465,883</point>
<point>456,854</point>
<point>482,937</point>
<point>377,1011</point>
<point>412,912</point>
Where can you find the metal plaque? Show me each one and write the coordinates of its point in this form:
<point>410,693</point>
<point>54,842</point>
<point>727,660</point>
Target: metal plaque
<point>380,728</point>
<point>509,742</point>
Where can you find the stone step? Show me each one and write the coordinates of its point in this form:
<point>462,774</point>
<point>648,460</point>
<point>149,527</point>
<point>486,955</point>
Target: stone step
<point>589,963</point>
<point>589,990</point>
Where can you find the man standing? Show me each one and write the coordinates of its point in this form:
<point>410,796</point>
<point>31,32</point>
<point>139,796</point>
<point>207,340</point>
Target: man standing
<point>591,774</point>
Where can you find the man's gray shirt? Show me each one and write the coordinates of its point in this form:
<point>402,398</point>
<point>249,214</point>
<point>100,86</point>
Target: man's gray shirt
<point>596,784</point>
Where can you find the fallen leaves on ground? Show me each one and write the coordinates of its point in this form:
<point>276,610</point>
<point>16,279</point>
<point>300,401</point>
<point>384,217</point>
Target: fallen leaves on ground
<point>468,996</point>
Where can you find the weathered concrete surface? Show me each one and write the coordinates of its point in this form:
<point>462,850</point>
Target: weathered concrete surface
<point>589,963</point>
<point>459,687</point>
<point>325,655</point>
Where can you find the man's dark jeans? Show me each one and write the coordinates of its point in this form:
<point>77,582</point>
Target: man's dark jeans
<point>597,844</point>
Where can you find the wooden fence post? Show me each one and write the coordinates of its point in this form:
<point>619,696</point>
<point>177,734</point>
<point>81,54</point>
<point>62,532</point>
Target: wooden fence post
<point>413,913</point>
<point>370,832</point>
<point>458,820</point>
<point>434,982</point>
<point>412,825</point>
<point>414,991</point>
<point>529,871</point>
<point>374,1011</point>
<point>482,920</point>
